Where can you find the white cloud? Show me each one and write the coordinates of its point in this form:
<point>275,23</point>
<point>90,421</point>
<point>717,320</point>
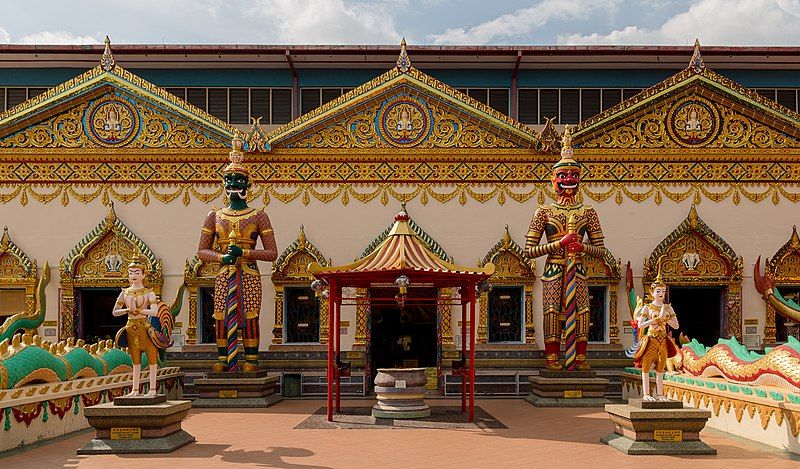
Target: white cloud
<point>329,21</point>
<point>718,22</point>
<point>5,38</point>
<point>56,37</point>
<point>523,21</point>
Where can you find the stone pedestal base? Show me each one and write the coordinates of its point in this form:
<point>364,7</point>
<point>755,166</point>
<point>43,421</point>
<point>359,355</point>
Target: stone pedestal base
<point>401,394</point>
<point>567,389</point>
<point>137,429</point>
<point>236,390</point>
<point>657,427</point>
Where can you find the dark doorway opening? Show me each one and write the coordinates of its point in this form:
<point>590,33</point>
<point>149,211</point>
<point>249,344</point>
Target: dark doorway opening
<point>403,337</point>
<point>699,311</point>
<point>782,332</point>
<point>205,307</point>
<point>597,313</point>
<point>95,318</point>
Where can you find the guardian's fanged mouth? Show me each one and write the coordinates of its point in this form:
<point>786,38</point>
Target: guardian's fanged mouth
<point>571,186</point>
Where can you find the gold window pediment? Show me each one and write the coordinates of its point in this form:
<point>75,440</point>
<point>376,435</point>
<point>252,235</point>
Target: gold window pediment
<point>693,254</point>
<point>101,259</point>
<point>18,279</point>
<point>695,108</point>
<point>512,267</point>
<point>404,109</point>
<point>291,268</point>
<point>784,266</point>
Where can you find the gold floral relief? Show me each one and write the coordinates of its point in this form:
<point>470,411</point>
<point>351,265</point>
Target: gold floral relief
<point>692,121</point>
<point>111,122</point>
<point>10,267</point>
<point>403,121</point>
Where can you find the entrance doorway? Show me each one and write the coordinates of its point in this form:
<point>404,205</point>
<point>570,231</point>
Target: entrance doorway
<point>699,311</point>
<point>782,331</point>
<point>403,337</point>
<point>95,321</point>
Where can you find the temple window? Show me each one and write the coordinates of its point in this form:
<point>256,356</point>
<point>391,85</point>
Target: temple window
<point>506,311</point>
<point>302,315</point>
<point>12,301</point>
<point>205,310</point>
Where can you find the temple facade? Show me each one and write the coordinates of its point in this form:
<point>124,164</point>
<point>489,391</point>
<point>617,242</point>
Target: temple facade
<point>695,177</point>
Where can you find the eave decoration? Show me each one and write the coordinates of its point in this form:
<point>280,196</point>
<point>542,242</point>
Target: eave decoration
<point>512,267</point>
<point>291,268</point>
<point>606,270</point>
<point>19,272</point>
<point>784,269</point>
<point>694,255</point>
<point>401,136</point>
<point>100,259</point>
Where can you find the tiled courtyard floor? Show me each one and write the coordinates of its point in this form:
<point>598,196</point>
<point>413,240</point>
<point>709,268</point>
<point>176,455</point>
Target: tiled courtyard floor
<point>535,437</point>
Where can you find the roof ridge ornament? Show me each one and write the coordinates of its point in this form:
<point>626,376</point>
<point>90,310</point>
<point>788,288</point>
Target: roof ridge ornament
<point>107,62</point>
<point>403,61</point>
<point>696,63</point>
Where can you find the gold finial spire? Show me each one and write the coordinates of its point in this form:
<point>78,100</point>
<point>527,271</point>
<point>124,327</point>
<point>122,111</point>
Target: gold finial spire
<point>693,217</point>
<point>301,238</point>
<point>403,62</point>
<point>507,238</point>
<point>107,62</point>
<point>795,240</point>
<point>6,239</point>
<point>696,62</point>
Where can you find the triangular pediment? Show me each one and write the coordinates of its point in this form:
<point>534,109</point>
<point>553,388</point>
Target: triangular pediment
<point>404,109</point>
<point>695,108</point>
<point>110,107</point>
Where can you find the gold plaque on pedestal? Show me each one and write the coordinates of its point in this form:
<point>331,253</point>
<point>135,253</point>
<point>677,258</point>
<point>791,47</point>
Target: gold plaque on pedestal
<point>668,435</point>
<point>573,394</point>
<point>228,393</point>
<point>126,433</point>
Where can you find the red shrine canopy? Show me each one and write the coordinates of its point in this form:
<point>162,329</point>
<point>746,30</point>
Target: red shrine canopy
<point>402,259</point>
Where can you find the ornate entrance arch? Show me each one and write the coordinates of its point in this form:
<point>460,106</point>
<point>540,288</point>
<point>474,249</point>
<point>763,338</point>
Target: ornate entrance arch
<point>100,260</point>
<point>512,268</point>
<point>605,271</point>
<point>291,269</point>
<point>694,255</point>
<point>785,270</point>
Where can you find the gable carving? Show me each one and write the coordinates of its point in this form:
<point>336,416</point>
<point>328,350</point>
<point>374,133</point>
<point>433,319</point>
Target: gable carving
<point>405,118</point>
<point>112,120</point>
<point>692,120</point>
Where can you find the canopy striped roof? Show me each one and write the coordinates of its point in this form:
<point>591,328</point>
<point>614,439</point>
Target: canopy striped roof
<point>401,252</point>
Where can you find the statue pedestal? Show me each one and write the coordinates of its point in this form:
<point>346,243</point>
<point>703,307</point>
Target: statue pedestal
<point>237,390</point>
<point>567,389</point>
<point>401,394</point>
<point>657,427</point>
<point>137,425</point>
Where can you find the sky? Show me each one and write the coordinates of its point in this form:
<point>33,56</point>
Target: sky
<point>431,22</point>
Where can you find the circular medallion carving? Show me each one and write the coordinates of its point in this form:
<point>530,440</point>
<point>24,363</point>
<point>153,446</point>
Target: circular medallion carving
<point>112,121</point>
<point>693,121</point>
<point>404,122</point>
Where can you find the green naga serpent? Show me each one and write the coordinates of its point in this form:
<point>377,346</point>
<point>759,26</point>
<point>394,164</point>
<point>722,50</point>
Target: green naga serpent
<point>28,320</point>
<point>766,287</point>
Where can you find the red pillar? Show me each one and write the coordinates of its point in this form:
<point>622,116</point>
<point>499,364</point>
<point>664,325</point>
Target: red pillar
<point>471,353</point>
<point>463,353</point>
<point>338,315</point>
<point>331,301</point>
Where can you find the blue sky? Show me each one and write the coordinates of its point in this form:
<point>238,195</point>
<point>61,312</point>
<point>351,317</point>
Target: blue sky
<point>477,22</point>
